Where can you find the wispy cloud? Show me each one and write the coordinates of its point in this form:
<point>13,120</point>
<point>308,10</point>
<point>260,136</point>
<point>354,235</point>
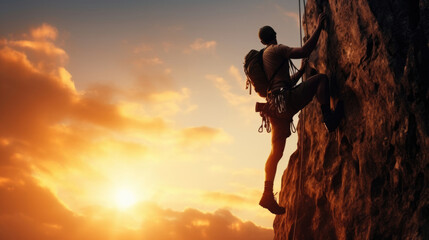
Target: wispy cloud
<point>142,48</point>
<point>148,61</point>
<point>237,75</point>
<point>200,45</point>
<point>198,137</point>
<point>225,88</point>
<point>230,199</point>
<point>289,14</point>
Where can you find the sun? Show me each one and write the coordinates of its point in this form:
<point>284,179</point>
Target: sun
<point>125,198</point>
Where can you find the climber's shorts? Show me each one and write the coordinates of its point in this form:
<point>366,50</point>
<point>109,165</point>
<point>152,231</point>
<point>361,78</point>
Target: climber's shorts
<point>295,100</point>
<point>280,129</point>
<point>298,97</point>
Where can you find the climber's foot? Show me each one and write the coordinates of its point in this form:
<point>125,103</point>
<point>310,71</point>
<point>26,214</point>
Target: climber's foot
<point>267,201</point>
<point>333,118</point>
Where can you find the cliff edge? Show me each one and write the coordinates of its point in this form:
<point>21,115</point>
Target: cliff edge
<point>369,179</point>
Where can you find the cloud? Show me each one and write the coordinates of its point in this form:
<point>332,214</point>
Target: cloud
<point>232,89</point>
<point>142,48</point>
<point>193,224</point>
<point>172,102</point>
<point>230,199</point>
<point>159,103</point>
<point>47,98</point>
<point>44,217</point>
<point>27,94</point>
<point>198,137</point>
<point>225,88</point>
<point>238,77</point>
<point>148,61</point>
<point>291,15</point>
<point>44,32</point>
<point>49,128</point>
<point>53,135</point>
<point>201,45</point>
<point>43,47</point>
<point>243,198</point>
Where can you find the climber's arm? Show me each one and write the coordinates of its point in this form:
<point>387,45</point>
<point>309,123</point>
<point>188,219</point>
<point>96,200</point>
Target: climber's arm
<point>300,72</point>
<point>304,51</point>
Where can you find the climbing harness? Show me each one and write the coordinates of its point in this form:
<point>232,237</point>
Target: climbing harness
<point>276,100</point>
<point>277,97</point>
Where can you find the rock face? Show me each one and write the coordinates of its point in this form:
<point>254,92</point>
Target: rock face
<point>369,179</point>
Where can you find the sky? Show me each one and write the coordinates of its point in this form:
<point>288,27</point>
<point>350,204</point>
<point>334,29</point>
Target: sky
<point>130,119</point>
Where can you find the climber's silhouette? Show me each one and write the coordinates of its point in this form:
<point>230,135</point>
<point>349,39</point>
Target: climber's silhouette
<point>286,99</point>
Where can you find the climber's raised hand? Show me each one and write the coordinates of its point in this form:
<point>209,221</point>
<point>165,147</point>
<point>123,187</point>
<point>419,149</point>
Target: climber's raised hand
<point>310,44</point>
<point>321,21</point>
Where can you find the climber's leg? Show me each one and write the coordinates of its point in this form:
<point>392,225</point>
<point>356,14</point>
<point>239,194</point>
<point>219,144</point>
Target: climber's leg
<point>303,93</point>
<point>331,118</point>
<point>278,142</point>
<point>280,131</point>
<point>317,85</point>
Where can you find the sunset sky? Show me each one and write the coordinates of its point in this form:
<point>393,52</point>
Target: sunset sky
<point>130,119</point>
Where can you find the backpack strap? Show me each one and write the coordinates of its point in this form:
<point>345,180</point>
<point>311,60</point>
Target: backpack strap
<point>270,80</point>
<point>274,75</point>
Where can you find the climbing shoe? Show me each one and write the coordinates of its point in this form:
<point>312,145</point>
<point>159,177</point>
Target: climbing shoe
<point>269,202</point>
<point>332,118</point>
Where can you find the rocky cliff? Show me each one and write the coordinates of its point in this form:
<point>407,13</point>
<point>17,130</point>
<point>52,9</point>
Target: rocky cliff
<point>369,179</point>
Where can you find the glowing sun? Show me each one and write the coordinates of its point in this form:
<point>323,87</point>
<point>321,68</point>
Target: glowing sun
<point>125,198</point>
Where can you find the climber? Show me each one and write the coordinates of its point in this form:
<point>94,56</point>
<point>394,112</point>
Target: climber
<point>288,99</point>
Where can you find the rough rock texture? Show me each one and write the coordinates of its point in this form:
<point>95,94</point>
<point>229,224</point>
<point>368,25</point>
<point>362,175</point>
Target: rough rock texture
<point>369,179</point>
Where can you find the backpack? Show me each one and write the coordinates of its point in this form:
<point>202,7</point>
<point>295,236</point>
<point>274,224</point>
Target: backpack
<point>255,73</point>
<point>254,70</point>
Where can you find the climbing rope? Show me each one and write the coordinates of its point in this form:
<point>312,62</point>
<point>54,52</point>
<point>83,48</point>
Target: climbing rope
<point>298,192</point>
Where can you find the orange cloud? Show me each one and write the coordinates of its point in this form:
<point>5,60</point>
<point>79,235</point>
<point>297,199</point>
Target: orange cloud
<point>28,211</point>
<point>39,48</point>
<point>244,198</point>
<point>47,48</point>
<point>44,32</point>
<point>192,224</point>
<point>226,198</point>
<point>47,97</point>
<point>198,137</point>
<point>46,124</point>
<point>200,133</point>
<point>49,128</point>
<point>29,99</point>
